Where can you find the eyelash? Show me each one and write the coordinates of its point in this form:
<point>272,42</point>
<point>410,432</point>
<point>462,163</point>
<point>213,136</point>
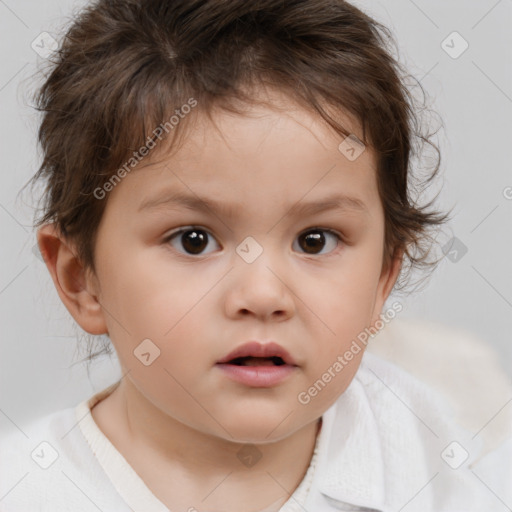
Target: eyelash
<point>340,239</point>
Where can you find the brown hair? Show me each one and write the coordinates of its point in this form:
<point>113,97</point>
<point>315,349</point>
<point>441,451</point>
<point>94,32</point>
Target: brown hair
<point>125,66</point>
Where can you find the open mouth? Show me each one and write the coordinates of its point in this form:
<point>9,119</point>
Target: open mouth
<point>257,361</point>
<point>258,366</point>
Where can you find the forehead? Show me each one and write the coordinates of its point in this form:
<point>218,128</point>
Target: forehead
<point>269,153</point>
<point>272,113</point>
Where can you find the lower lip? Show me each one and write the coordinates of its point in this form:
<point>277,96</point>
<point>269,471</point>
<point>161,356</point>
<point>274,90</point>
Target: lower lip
<point>257,376</point>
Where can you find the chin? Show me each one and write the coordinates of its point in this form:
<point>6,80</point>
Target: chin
<point>260,428</point>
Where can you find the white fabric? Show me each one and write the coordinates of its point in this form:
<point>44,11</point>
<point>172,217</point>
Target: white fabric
<point>461,367</point>
<point>126,481</point>
<point>379,449</point>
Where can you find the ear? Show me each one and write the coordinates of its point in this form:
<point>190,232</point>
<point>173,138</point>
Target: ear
<point>76,288</point>
<point>387,280</point>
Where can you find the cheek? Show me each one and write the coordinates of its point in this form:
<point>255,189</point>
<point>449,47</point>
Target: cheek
<point>139,287</point>
<point>342,301</point>
<point>149,299</point>
<point>342,305</point>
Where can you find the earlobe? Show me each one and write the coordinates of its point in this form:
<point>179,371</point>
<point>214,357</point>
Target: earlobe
<point>75,288</point>
<point>393,272</point>
<point>387,282</point>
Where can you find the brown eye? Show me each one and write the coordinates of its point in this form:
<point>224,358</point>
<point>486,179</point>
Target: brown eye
<point>193,240</point>
<point>314,240</point>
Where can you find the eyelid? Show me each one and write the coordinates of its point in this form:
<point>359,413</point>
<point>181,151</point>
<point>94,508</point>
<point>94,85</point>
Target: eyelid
<point>320,228</point>
<point>337,234</point>
<point>312,228</point>
<point>334,232</point>
<point>187,228</point>
<point>184,229</point>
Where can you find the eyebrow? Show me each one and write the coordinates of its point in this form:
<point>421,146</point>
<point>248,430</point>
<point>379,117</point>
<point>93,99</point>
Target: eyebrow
<point>192,202</point>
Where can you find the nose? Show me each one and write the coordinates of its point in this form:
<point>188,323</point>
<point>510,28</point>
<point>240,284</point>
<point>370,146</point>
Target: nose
<point>258,289</point>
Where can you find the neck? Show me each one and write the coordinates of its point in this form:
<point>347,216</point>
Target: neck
<point>156,444</point>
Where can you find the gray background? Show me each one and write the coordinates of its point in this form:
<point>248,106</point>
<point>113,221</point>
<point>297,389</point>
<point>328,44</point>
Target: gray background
<point>472,94</point>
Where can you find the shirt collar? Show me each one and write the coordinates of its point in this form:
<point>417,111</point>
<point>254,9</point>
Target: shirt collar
<point>372,448</point>
<point>350,463</point>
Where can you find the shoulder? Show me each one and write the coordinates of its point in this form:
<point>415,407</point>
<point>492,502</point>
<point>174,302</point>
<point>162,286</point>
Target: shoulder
<point>36,442</point>
<point>392,389</point>
<point>413,418</point>
<point>458,365</point>
<point>395,436</point>
<point>32,457</point>
<point>47,464</point>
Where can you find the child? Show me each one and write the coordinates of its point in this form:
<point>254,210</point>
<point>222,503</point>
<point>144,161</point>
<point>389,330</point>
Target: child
<point>195,153</point>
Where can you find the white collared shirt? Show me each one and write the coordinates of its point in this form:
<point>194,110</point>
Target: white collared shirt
<point>385,445</point>
<point>388,445</point>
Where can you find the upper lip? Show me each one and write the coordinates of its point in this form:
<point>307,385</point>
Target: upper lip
<point>257,349</point>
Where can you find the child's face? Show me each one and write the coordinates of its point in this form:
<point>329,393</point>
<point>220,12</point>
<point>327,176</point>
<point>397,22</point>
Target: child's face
<point>197,299</point>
